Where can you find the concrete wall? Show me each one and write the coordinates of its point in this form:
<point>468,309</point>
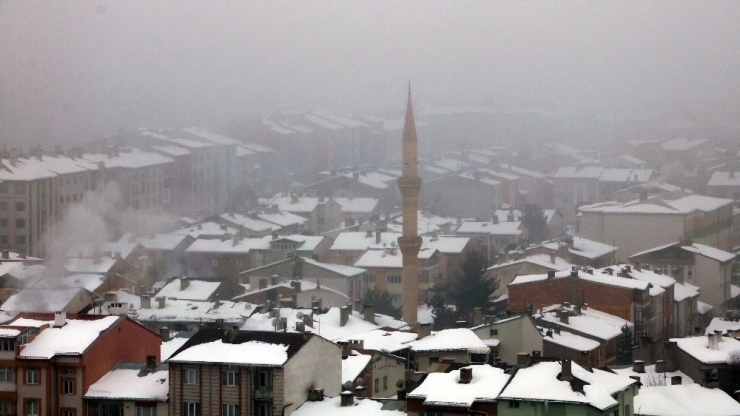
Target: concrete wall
<point>318,364</point>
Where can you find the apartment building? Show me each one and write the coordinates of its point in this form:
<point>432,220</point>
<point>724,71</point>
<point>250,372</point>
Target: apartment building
<point>323,214</point>
<point>35,192</point>
<point>231,372</point>
<point>651,222</point>
<point>49,361</point>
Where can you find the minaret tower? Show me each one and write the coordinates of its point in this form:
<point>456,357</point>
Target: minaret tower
<point>410,184</point>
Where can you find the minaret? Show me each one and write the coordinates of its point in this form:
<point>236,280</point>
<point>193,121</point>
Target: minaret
<point>409,184</point>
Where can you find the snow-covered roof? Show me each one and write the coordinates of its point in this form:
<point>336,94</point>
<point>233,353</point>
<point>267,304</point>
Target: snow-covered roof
<point>682,291</point>
<point>206,228</point>
<point>374,179</point>
<point>685,400</point>
<point>455,339</point>
<point>704,250</point>
<point>684,205</point>
<point>361,241</point>
<point>353,365</point>
<point>129,158</point>
<point>282,218</point>
<point>132,381</point>
<point>332,406</point>
<point>488,227</point>
<point>623,175</point>
<point>388,258</point>
<point>193,144</point>
<point>100,265</point>
<point>445,244</point>
<point>28,273</point>
<point>597,277</point>
<point>125,248</point>
<point>698,347</point>
<point>245,353</point>
<point>540,382</point>
<point>30,169</point>
<point>724,179</point>
<point>210,136</point>
<point>87,281</point>
<point>173,150</point>
<point>41,300</point>
<point>651,377</point>
<point>249,223</point>
<point>71,339</point>
<point>584,247</point>
<point>599,324</point>
<point>157,241</point>
<point>682,144</point>
<point>196,290</point>
<point>580,172</point>
<point>169,347</point>
<point>382,340</point>
<point>572,341</point>
<point>632,159</point>
<point>355,204</point>
<point>721,324</point>
<point>243,246</point>
<point>445,389</point>
<point>542,260</point>
<point>187,310</point>
<point>348,271</point>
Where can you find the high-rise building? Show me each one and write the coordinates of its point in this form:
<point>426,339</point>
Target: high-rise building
<point>409,184</point>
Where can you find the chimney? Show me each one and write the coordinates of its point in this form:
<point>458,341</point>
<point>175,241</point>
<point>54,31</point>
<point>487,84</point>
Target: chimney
<point>477,316</point>
<point>564,317</point>
<point>566,373</point>
<point>676,381</point>
<point>576,310</point>
<point>300,327</point>
<point>638,266</point>
<point>574,271</point>
<point>360,392</point>
<point>494,219</point>
<point>552,257</point>
<point>660,366</point>
<point>347,399</point>
<point>343,315</point>
<point>368,313</point>
<point>551,274</point>
<point>6,254</point>
<point>369,233</point>
<point>262,284</point>
<point>425,329</point>
<point>377,236</point>
<point>111,296</point>
<point>522,359</point>
<point>275,235</point>
<point>712,342</point>
<point>466,375</point>
<point>164,332</point>
<point>161,300</point>
<point>274,279</point>
<point>643,194</point>
<point>60,318</point>
<point>151,362</point>
<point>346,349</point>
<point>308,320</point>
<point>638,366</point>
<point>216,301</point>
<point>401,394</point>
<point>184,283</point>
<point>234,240</point>
<point>146,302</point>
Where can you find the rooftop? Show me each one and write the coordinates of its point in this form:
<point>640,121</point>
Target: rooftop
<point>688,400</point>
<point>74,338</point>
<point>451,340</point>
<point>132,381</point>
<point>445,389</point>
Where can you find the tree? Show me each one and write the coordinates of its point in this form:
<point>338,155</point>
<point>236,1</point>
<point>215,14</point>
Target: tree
<point>382,302</point>
<point>536,223</point>
<point>472,287</point>
<point>625,343</point>
<point>444,316</point>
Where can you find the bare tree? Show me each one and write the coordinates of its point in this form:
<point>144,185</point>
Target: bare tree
<point>652,379</point>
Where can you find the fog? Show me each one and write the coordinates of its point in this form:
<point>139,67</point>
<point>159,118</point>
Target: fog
<point>72,71</point>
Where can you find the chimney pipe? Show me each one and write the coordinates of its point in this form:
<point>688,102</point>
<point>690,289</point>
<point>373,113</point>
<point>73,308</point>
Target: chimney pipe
<point>347,399</point>
<point>146,302</point>
<point>161,300</point>
<point>368,313</point>
<point>566,373</point>
<point>425,329</point>
<point>660,366</point>
<point>151,362</point>
<point>676,381</point>
<point>638,366</point>
<point>343,315</point>
<point>184,283</point>
<point>466,375</point>
<point>164,332</point>
<point>377,236</point>
<point>60,318</point>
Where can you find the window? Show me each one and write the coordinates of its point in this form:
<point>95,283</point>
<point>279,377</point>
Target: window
<point>231,378</point>
<point>230,410</point>
<point>396,299</point>
<point>3,188</point>
<point>6,374</point>
<point>20,189</point>
<point>369,278</point>
<point>3,239</point>
<point>385,382</point>
<point>20,223</point>
<point>394,278</point>
<point>513,404</point>
<point>67,411</point>
<point>638,315</point>
<point>67,385</point>
<point>3,222</point>
<point>7,344</point>
<point>6,406</point>
<point>239,262</point>
<point>214,262</point>
<point>32,407</point>
<point>191,409</point>
<point>20,206</point>
<point>494,332</point>
<point>191,376</point>
<point>3,206</point>
<point>264,409</point>
<point>377,385</point>
<point>20,240</point>
<point>264,379</point>
<point>32,376</point>
<point>146,411</point>
<point>690,272</point>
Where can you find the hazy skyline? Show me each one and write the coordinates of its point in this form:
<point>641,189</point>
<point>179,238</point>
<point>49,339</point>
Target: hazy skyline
<point>77,70</point>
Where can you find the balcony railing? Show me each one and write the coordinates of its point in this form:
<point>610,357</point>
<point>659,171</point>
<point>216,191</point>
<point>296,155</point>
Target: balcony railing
<point>263,393</point>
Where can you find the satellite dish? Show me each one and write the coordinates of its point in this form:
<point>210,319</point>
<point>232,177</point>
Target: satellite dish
<point>275,323</point>
<point>347,385</point>
<point>299,315</point>
<point>400,384</point>
<point>359,381</point>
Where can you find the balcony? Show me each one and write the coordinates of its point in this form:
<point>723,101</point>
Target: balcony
<point>263,393</point>
<point>4,386</point>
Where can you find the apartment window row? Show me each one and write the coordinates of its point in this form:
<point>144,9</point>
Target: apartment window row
<point>369,278</point>
<point>394,278</point>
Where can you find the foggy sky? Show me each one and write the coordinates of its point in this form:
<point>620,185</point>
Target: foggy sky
<point>78,70</point>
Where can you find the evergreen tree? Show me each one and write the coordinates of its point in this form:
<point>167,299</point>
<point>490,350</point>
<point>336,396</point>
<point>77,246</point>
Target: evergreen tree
<point>444,317</point>
<point>382,302</point>
<point>536,223</point>
<point>625,344</point>
<point>472,287</point>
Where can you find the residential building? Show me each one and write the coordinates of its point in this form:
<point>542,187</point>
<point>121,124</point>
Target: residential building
<point>323,214</point>
<point>130,389</point>
<point>508,337</point>
<point>481,193</point>
<point>459,345</point>
<point>494,235</point>
<point>707,360</point>
<point>505,271</point>
<point>219,372</point>
<point>697,264</point>
<point>164,255</point>
<point>567,388</point>
<point>646,223</point>
<point>684,400</point>
<point>52,360</point>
